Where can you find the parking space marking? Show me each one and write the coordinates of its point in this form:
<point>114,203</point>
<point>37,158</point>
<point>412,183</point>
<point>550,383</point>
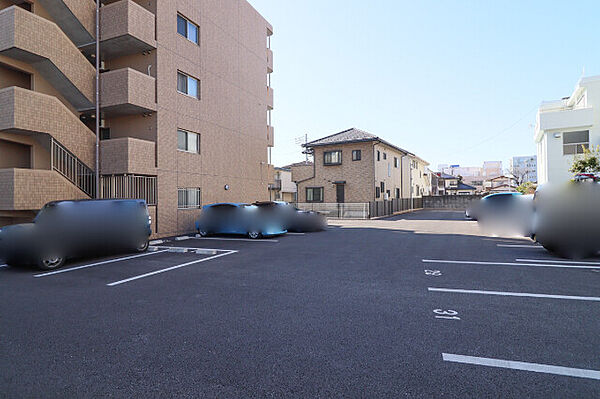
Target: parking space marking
<point>525,366</point>
<point>518,294</point>
<point>473,262</point>
<point>519,246</point>
<point>97,264</point>
<point>233,239</point>
<point>294,234</point>
<point>127,280</point>
<point>558,261</point>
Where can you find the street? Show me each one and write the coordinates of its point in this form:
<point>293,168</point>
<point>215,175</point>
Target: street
<point>417,305</point>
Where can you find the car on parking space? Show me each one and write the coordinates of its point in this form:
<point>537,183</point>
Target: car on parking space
<point>505,213</point>
<point>293,218</point>
<point>68,229</point>
<point>238,218</point>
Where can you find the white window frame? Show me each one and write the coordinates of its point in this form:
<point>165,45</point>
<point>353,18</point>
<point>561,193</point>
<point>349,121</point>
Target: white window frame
<point>186,93</point>
<point>189,198</point>
<point>187,29</point>
<point>187,140</point>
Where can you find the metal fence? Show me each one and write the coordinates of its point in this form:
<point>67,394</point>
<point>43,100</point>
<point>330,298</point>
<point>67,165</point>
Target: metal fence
<point>73,169</point>
<point>359,210</point>
<point>362,210</point>
<point>129,186</point>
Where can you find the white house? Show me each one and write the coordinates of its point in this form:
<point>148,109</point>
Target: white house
<point>564,126</point>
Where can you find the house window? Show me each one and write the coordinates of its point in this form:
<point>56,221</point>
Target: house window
<point>382,187</point>
<point>378,155</point>
<point>377,192</point>
<point>575,142</point>
<point>356,155</point>
<point>332,158</point>
<point>188,141</point>
<point>396,162</point>
<point>188,85</point>
<point>188,198</point>
<point>384,155</point>
<point>187,29</point>
<point>314,194</point>
<point>397,193</point>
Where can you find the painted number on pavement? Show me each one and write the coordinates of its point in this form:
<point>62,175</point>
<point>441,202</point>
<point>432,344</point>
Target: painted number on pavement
<point>435,273</point>
<point>446,314</point>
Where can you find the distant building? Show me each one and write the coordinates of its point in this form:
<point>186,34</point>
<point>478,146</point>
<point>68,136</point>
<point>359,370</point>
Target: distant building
<point>564,127</point>
<point>524,168</point>
<point>451,185</point>
<point>283,188</point>
<point>492,169</point>
<point>357,166</point>
<point>500,184</point>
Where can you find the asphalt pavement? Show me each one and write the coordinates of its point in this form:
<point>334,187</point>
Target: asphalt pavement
<point>419,305</point>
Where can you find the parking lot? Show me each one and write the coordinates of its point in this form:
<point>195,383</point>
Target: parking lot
<point>417,305</point>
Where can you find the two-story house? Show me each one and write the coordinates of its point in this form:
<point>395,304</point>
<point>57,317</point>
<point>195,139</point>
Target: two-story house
<point>356,166</point>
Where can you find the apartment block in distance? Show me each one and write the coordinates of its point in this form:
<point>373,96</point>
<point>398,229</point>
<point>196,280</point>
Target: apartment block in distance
<point>564,128</point>
<point>357,166</point>
<point>184,95</point>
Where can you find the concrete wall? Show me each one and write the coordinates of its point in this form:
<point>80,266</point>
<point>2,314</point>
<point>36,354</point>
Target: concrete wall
<point>449,201</point>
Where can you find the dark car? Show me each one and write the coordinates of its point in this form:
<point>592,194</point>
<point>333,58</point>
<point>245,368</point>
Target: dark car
<point>68,229</point>
<point>293,218</point>
<point>237,218</point>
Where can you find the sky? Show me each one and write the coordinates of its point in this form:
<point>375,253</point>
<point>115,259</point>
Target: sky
<point>455,82</point>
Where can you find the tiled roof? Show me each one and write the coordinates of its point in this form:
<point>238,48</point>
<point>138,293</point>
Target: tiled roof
<point>462,186</point>
<point>351,136</point>
<point>303,163</point>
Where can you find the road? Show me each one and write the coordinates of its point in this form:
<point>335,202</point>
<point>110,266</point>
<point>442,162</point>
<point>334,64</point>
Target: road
<point>418,305</point>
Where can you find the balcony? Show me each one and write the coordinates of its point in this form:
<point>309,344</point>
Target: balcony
<point>269,60</point>
<point>26,37</point>
<point>30,189</point>
<point>566,118</point>
<point>24,111</point>
<point>125,28</point>
<point>275,186</point>
<point>270,136</point>
<point>269,97</point>
<point>128,155</point>
<point>127,91</point>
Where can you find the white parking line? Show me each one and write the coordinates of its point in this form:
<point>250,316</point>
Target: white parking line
<point>510,364</point>
<point>520,294</point>
<point>519,246</point>
<point>558,261</point>
<point>97,264</point>
<point>234,239</point>
<point>294,234</point>
<point>473,262</point>
<point>168,269</point>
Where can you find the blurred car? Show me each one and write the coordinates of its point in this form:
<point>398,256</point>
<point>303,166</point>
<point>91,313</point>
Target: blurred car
<point>237,218</point>
<point>505,213</point>
<point>67,229</point>
<point>566,220</point>
<point>587,177</point>
<point>293,218</point>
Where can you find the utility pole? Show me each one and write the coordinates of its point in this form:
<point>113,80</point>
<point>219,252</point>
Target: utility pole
<point>98,98</point>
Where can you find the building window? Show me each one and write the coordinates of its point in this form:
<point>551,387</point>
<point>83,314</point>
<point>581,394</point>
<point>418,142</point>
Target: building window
<point>188,141</point>
<point>384,155</point>
<point>378,155</point>
<point>575,142</point>
<point>397,193</point>
<point>187,29</point>
<point>314,194</point>
<point>332,158</point>
<point>377,192</point>
<point>382,187</point>
<point>396,163</point>
<point>188,85</point>
<point>356,155</point>
<point>188,198</point>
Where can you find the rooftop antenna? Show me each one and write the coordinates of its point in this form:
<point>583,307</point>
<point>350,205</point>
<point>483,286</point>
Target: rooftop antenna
<point>302,140</point>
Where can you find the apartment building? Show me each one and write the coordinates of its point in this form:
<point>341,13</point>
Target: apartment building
<point>524,168</point>
<point>564,127</point>
<point>283,188</point>
<point>357,166</point>
<point>185,102</point>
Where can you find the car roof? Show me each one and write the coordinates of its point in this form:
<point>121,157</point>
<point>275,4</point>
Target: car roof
<point>502,194</point>
<point>234,204</point>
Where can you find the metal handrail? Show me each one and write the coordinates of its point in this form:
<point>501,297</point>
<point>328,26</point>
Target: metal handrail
<point>68,165</point>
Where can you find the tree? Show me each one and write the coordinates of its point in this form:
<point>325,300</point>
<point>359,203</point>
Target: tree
<point>588,162</point>
<point>527,188</point>
<point>521,172</point>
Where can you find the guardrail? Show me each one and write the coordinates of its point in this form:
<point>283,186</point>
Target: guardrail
<point>129,186</point>
<point>68,165</point>
<point>362,210</point>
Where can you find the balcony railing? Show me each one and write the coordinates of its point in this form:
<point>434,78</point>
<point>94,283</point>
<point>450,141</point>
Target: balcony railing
<point>275,186</point>
<point>129,187</point>
<point>73,169</point>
